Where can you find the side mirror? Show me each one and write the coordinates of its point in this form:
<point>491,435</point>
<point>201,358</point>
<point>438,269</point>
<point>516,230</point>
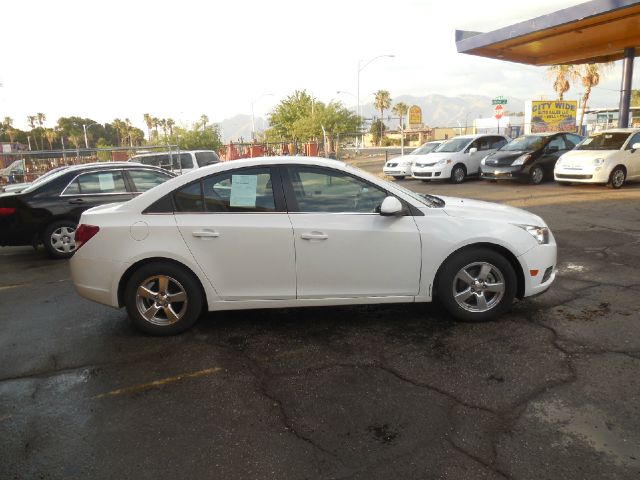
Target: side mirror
<point>472,150</point>
<point>635,146</point>
<point>391,206</point>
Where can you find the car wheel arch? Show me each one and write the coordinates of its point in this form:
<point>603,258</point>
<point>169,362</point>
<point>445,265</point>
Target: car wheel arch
<point>505,252</point>
<point>124,279</point>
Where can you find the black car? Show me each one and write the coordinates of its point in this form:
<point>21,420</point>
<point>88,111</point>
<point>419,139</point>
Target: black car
<point>48,211</point>
<point>528,157</point>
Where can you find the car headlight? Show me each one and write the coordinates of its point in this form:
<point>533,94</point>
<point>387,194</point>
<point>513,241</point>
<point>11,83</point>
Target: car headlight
<point>522,159</point>
<point>598,161</point>
<point>541,234</point>
<point>444,161</point>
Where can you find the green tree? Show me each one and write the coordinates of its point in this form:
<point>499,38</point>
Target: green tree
<point>635,98</point>
<point>294,108</point>
<point>377,130</point>
<point>382,102</point>
<point>400,109</point>
<point>50,135</point>
<point>199,137</point>
<point>148,120</point>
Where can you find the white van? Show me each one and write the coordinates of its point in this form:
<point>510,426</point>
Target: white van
<point>178,162</point>
<point>457,158</point>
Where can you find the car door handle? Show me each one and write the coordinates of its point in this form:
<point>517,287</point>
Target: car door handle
<point>76,201</point>
<point>314,236</point>
<point>205,234</point>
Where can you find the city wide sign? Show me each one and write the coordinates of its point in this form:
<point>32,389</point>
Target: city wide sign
<point>553,116</point>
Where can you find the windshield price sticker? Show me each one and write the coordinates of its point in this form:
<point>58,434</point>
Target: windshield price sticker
<point>243,190</point>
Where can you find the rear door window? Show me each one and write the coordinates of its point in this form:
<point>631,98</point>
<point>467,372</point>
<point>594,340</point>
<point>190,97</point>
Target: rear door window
<point>144,180</point>
<point>95,183</point>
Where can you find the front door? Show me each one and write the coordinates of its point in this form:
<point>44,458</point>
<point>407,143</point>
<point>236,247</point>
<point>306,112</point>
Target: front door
<point>344,248</point>
<point>239,234</point>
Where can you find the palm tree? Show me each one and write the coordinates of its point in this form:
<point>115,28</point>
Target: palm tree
<point>163,124</point>
<point>75,139</point>
<point>156,124</point>
<point>51,136</point>
<point>382,102</point>
<point>148,119</point>
<point>561,74</point>
<point>590,74</point>
<point>400,109</point>
<point>204,119</point>
<point>31,120</point>
<point>40,119</point>
<point>7,125</point>
<point>170,124</point>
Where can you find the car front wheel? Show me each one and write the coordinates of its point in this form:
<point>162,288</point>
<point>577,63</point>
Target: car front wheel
<point>59,238</point>
<point>476,285</point>
<point>163,298</point>
<point>617,177</point>
<point>458,174</point>
<point>536,175</point>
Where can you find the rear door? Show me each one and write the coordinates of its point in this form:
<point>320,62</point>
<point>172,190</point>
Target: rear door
<point>236,227</point>
<point>90,189</point>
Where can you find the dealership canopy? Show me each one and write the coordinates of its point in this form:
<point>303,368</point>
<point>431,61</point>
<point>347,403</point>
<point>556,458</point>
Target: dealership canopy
<point>592,32</point>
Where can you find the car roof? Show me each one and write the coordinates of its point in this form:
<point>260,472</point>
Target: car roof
<point>106,165</point>
<point>166,152</point>
<point>618,130</point>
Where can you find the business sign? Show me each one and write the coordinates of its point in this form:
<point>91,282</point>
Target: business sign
<point>415,116</point>
<point>498,111</point>
<point>499,101</point>
<point>553,116</point>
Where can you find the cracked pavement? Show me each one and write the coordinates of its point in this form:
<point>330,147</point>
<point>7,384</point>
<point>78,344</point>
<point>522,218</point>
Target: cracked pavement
<point>551,390</point>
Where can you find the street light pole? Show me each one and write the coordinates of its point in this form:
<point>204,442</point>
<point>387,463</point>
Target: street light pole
<point>253,121</point>
<point>360,68</point>
<point>84,127</point>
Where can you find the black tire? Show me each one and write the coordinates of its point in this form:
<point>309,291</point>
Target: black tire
<point>399,177</point>
<point>458,174</point>
<point>473,261</point>
<point>162,280</point>
<point>617,177</point>
<point>58,239</point>
<point>536,175</point>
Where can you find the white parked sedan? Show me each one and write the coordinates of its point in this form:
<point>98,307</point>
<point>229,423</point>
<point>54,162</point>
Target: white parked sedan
<point>610,157</point>
<point>400,167</point>
<point>286,232</point>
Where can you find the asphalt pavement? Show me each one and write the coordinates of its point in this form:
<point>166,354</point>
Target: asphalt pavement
<point>549,391</point>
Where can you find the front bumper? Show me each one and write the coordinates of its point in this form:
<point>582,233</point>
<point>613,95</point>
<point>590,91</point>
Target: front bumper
<point>435,172</point>
<point>588,174</point>
<point>539,266</point>
<point>396,170</point>
<point>502,173</point>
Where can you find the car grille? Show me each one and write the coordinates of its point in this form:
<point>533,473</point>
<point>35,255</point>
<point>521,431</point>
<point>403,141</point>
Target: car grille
<point>573,177</point>
<point>422,174</point>
<point>425,164</point>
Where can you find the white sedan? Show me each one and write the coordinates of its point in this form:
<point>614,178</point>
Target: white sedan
<point>400,167</point>
<point>610,157</point>
<point>286,232</point>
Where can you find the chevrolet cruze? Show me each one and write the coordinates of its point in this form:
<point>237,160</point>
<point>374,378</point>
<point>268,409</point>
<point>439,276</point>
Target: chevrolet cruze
<point>290,232</point>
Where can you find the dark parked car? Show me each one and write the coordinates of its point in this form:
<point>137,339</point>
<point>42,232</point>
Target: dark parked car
<point>528,157</point>
<point>48,211</point>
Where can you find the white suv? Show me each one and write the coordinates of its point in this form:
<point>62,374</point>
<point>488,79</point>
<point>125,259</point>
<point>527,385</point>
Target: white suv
<point>178,162</point>
<point>610,157</point>
<point>457,158</point>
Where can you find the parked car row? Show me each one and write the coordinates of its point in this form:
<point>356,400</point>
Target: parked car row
<point>610,157</point>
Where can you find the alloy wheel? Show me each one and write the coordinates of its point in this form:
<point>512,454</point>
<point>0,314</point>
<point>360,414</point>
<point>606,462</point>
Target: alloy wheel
<point>478,287</point>
<point>161,300</point>
<point>617,178</point>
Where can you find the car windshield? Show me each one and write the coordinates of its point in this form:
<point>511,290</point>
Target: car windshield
<point>525,143</point>
<point>453,145</point>
<point>426,148</point>
<point>604,141</point>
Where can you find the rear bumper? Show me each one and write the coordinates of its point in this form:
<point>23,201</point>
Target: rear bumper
<point>101,288</point>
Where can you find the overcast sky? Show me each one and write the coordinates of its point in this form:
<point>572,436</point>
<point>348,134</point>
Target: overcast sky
<point>183,58</point>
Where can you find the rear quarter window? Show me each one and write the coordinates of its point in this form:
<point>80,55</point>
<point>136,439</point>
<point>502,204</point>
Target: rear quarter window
<point>207,158</point>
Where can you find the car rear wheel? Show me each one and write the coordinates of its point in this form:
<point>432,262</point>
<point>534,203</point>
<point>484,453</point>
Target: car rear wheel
<point>58,238</point>
<point>617,177</point>
<point>163,298</point>
<point>458,173</point>
<point>536,175</point>
<point>476,285</point>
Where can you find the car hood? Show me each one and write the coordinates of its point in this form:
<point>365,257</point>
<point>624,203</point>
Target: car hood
<point>587,156</point>
<point>503,158</point>
<point>410,158</point>
<point>468,208</point>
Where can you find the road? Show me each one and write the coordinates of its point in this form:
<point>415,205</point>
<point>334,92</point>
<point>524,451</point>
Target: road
<point>548,391</point>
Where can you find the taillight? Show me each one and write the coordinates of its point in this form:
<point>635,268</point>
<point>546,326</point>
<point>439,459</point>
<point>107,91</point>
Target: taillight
<point>84,233</point>
<point>6,211</point>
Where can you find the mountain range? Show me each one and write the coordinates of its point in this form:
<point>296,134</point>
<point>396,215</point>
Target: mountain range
<point>437,111</point>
